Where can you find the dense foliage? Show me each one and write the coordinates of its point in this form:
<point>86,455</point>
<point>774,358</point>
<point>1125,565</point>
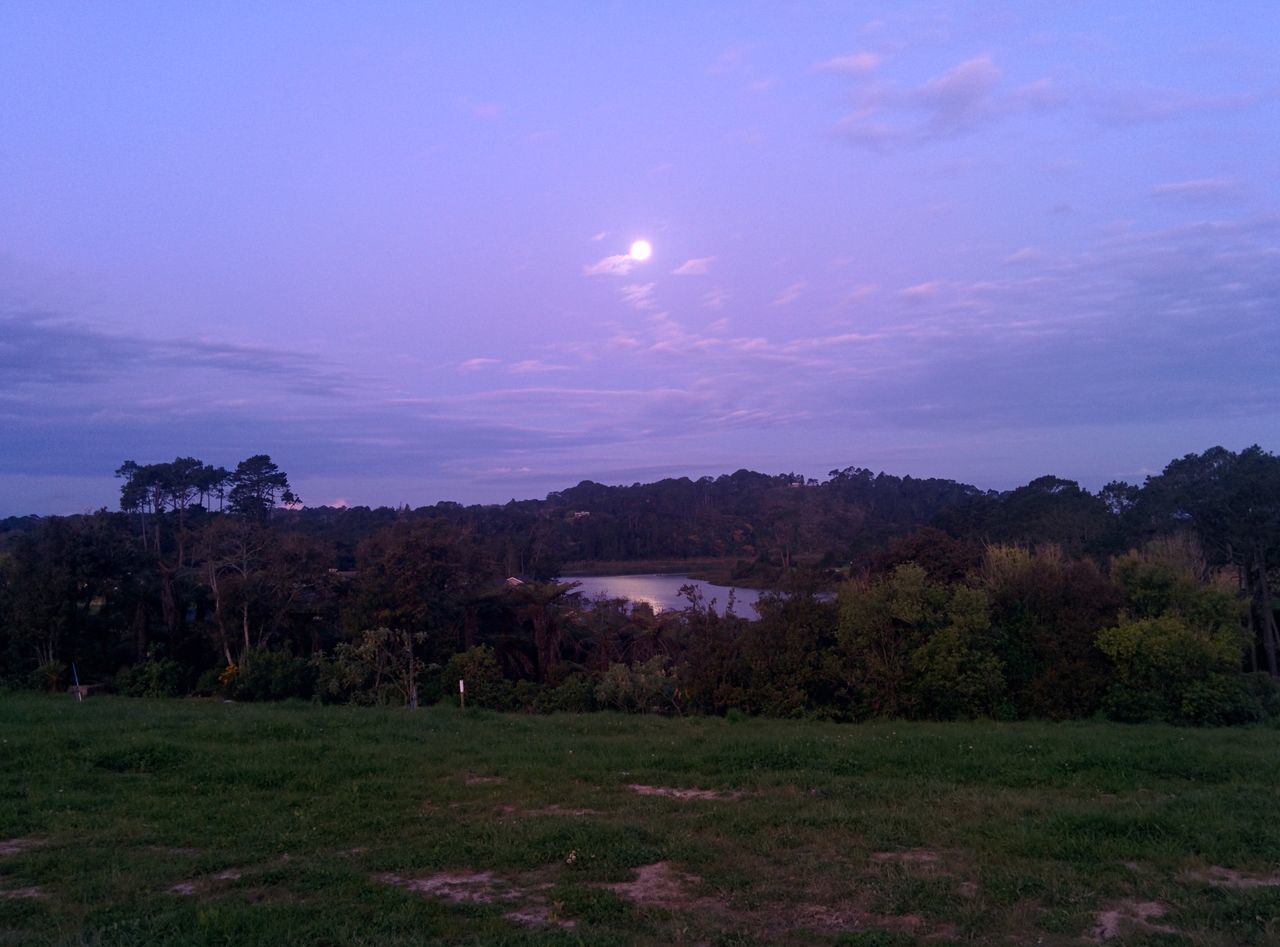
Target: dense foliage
<point>1047,601</point>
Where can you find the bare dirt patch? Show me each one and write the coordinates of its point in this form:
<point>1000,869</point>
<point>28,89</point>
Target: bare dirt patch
<point>458,888</point>
<point>714,795</point>
<point>16,846</point>
<point>1130,917</point>
<point>546,811</point>
<point>196,886</point>
<point>175,850</point>
<point>664,885</point>
<point>538,915</point>
<point>660,884</point>
<point>15,894</point>
<point>529,904</point>
<point>1230,878</point>
<point>846,917</point>
<point>913,856</point>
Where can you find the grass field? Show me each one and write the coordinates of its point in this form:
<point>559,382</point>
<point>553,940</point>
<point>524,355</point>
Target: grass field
<point>193,822</point>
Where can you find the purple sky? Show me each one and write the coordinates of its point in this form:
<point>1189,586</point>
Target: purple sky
<point>386,243</point>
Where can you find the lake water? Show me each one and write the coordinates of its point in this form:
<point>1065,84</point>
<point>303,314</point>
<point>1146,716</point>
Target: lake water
<point>662,592</point>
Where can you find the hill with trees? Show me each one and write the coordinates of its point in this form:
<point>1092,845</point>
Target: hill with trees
<point>1152,601</point>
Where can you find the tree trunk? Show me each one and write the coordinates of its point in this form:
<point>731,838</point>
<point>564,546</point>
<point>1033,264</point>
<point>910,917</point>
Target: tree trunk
<point>218,617</point>
<point>1270,635</point>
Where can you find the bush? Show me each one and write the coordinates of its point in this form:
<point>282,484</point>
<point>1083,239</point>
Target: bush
<point>486,687</point>
<point>1220,701</point>
<point>1168,668</point>
<point>645,688</point>
<point>48,676</point>
<point>208,684</point>
<point>273,675</point>
<point>156,677</point>
<point>575,694</point>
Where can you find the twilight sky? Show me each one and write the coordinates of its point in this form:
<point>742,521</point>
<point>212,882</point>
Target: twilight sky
<point>387,243</point>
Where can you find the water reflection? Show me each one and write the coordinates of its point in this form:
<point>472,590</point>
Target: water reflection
<point>662,592</point>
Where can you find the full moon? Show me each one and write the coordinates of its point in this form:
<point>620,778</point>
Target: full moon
<point>641,250</point>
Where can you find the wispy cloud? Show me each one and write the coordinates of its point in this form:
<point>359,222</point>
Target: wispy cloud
<point>472,364</point>
<point>44,348</point>
<point>694,267</point>
<point>1025,255</point>
<point>1150,104</point>
<point>534,365</point>
<point>1199,189</point>
<point>716,298</point>
<point>617,264</point>
<point>485,111</point>
<point>920,292</point>
<point>639,295</point>
<point>790,293</point>
<point>851,64</point>
<point>954,102</point>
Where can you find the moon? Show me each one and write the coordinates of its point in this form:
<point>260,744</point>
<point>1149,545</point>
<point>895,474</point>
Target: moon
<point>641,250</point>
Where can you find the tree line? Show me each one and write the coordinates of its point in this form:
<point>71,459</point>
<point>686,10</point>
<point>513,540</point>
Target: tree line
<point>1141,602</point>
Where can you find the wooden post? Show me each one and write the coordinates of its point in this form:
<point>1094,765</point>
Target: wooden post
<point>462,694</point>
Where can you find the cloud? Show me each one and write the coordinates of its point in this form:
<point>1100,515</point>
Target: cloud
<point>851,64</point>
<point>472,364</point>
<point>639,295</point>
<point>954,102</point>
<point>596,238</point>
<point>732,60</point>
<point>716,298</point>
<point>1041,95</point>
<point>960,97</point>
<point>533,365</point>
<point>1148,104</point>
<point>42,348</point>
<point>617,264</point>
<point>1025,255</point>
<point>1200,189</point>
<point>486,111</point>
<point>920,292</point>
<point>790,294</point>
<point>694,267</point>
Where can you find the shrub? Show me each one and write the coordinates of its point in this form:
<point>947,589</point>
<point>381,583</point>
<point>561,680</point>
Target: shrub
<point>1220,701</point>
<point>1166,668</point>
<point>208,684</point>
<point>646,688</point>
<point>48,676</point>
<point>156,677</point>
<point>486,687</point>
<point>273,675</point>
<point>574,693</point>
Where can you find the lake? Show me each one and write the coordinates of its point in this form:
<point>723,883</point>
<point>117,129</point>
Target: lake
<point>662,592</point>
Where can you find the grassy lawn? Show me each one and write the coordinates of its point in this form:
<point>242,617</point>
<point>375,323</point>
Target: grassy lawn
<point>197,822</point>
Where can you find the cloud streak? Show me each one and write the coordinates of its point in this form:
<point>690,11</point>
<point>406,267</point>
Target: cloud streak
<point>697,266</point>
<point>617,264</point>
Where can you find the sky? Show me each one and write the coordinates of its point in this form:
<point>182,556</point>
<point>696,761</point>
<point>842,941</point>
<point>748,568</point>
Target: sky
<point>388,243</point>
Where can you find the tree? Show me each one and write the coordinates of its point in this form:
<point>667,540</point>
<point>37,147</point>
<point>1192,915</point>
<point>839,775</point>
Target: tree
<point>1233,503</point>
<point>881,623</point>
<point>541,604</point>
<point>256,484</point>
